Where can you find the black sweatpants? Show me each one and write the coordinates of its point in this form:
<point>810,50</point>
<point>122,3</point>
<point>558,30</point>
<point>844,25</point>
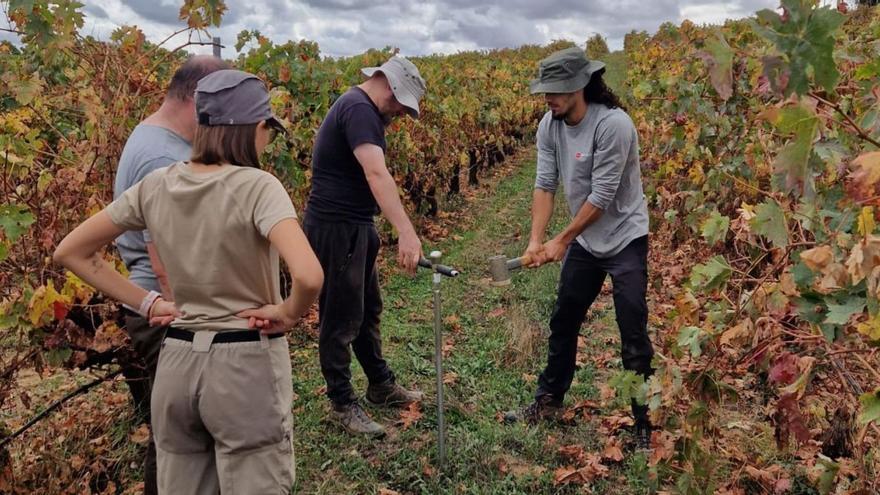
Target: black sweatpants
<point>580,282</point>
<point>350,305</point>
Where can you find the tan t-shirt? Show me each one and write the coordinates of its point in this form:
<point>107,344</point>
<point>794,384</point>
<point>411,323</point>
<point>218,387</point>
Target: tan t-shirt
<point>211,232</point>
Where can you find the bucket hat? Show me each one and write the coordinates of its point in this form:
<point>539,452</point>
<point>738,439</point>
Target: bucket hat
<point>565,71</point>
<point>405,81</point>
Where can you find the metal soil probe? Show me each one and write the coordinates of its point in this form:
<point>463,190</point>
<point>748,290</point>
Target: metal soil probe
<point>438,357</point>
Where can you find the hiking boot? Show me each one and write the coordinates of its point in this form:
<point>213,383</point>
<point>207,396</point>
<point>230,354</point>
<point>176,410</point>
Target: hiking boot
<point>355,420</point>
<point>642,429</point>
<point>544,407</point>
<point>642,432</point>
<point>391,394</point>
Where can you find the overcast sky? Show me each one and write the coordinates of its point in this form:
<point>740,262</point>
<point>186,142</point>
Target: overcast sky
<point>347,27</point>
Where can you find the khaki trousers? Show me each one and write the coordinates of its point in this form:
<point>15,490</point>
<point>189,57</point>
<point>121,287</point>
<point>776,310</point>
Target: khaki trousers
<point>222,417</point>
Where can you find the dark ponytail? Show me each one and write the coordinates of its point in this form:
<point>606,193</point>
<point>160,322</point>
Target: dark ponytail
<point>597,92</point>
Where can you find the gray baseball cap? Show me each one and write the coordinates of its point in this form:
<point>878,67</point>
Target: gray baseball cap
<point>233,97</point>
<point>565,71</point>
<point>406,82</point>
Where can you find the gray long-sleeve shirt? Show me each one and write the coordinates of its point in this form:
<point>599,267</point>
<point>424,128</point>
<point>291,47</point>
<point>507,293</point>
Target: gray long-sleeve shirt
<point>597,161</point>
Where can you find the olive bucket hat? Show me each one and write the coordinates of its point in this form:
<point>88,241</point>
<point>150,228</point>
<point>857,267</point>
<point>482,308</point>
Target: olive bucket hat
<point>565,71</point>
<point>406,82</point>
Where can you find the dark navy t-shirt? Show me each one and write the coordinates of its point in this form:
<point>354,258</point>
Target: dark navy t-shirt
<point>340,192</point>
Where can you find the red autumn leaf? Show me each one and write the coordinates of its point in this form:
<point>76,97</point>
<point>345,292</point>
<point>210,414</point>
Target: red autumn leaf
<point>789,420</point>
<point>785,369</point>
<point>60,310</point>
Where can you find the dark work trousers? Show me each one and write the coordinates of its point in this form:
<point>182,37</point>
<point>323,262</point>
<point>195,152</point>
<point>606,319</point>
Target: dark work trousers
<point>579,284</point>
<point>350,305</point>
<point>146,341</point>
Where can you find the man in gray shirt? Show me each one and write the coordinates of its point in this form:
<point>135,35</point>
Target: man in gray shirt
<point>589,142</point>
<point>160,140</point>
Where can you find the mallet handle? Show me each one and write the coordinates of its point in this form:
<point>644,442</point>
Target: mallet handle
<point>514,263</point>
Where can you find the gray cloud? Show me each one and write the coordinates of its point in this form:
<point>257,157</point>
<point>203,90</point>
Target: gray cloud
<point>154,10</point>
<point>95,11</point>
<point>348,27</point>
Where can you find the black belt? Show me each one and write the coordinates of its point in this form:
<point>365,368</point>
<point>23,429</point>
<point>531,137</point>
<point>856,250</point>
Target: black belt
<point>221,337</point>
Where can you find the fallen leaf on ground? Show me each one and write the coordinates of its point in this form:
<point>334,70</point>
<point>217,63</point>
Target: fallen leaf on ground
<point>592,469</point>
<point>662,446</point>
<point>572,452</point>
<point>410,415</point>
<point>612,450</point>
<point>519,468</point>
<point>141,435</point>
<point>495,313</point>
<point>450,378</point>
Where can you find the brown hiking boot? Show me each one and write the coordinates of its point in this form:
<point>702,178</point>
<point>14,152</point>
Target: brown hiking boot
<point>391,394</point>
<point>545,407</point>
<point>355,420</point>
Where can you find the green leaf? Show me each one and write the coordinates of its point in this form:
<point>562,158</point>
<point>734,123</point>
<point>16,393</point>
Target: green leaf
<point>15,220</point>
<point>828,470</point>
<point>58,356</point>
<point>720,65</point>
<point>629,386</point>
<point>870,407</point>
<point>810,308</point>
<point>791,165</point>
<point>710,275</point>
<point>24,6</point>
<point>642,90</point>
<point>769,221</point>
<point>691,337</point>
<point>805,37</point>
<point>715,227</point>
<point>839,314</point>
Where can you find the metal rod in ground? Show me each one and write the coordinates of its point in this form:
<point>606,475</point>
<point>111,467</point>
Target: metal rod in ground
<point>438,364</point>
<point>217,46</point>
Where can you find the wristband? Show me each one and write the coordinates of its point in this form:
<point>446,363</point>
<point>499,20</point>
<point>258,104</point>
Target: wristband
<point>147,303</point>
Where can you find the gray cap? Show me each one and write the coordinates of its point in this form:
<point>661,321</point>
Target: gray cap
<point>565,71</point>
<point>405,81</point>
<point>233,97</point>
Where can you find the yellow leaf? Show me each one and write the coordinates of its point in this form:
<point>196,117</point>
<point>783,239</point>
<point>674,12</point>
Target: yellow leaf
<point>75,290</point>
<point>866,221</point>
<point>40,306</point>
<point>746,211</point>
<point>870,328</point>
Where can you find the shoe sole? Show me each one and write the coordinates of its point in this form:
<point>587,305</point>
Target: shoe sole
<point>378,434</point>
